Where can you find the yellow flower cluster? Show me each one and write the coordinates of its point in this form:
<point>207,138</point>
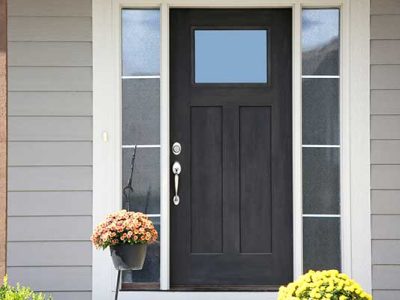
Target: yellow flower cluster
<point>8,292</point>
<point>323,285</point>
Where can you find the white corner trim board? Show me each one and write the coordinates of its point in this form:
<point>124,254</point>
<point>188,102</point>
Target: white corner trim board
<point>358,89</point>
<point>355,179</point>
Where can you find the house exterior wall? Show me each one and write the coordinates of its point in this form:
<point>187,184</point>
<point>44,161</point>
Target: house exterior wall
<point>385,148</point>
<point>3,136</point>
<point>50,146</point>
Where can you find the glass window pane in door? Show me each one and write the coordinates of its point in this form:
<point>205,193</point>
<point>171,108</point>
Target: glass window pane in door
<point>230,56</point>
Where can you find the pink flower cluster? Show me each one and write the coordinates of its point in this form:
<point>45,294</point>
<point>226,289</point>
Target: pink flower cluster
<point>124,227</point>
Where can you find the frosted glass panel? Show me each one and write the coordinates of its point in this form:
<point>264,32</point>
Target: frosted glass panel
<point>321,181</point>
<point>321,111</point>
<point>230,56</point>
<point>146,180</point>
<point>140,42</point>
<point>321,248</point>
<point>320,40</point>
<point>140,111</point>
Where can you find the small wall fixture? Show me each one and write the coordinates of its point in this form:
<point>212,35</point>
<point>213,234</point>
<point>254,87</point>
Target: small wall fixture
<point>105,136</point>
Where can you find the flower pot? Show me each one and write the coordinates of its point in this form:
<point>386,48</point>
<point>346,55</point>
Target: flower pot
<point>128,257</point>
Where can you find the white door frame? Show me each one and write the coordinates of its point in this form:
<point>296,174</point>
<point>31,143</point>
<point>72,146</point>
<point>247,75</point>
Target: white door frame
<point>355,136</point>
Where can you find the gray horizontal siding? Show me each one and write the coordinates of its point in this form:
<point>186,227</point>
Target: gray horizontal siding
<point>50,178</point>
<point>385,7</point>
<point>386,177</point>
<point>386,294</point>
<point>385,102</point>
<point>52,278</point>
<point>50,146</point>
<point>65,203</point>
<point>50,153</point>
<point>386,252</point>
<point>74,79</point>
<point>385,151</point>
<point>385,76</point>
<point>50,129</point>
<point>385,148</point>
<point>386,277</point>
<point>385,52</point>
<point>53,54</point>
<point>385,127</point>
<point>55,228</point>
<point>49,254</point>
<point>50,104</point>
<point>385,27</point>
<point>47,29</point>
<point>50,8</point>
<point>385,202</point>
<point>72,295</point>
<point>386,227</point>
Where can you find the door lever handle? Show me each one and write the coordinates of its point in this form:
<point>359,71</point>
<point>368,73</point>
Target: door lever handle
<point>176,170</point>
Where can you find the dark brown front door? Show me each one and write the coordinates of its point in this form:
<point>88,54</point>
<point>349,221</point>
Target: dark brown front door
<point>231,111</point>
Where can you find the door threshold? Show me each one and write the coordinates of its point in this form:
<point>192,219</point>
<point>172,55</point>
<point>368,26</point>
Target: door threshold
<point>225,288</point>
<point>197,295</point>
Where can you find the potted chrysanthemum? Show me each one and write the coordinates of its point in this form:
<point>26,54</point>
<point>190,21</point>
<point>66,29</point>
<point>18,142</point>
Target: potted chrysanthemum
<point>328,284</point>
<point>127,234</point>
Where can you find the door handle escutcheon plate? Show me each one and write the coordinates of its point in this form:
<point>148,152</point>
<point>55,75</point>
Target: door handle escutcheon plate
<point>176,170</point>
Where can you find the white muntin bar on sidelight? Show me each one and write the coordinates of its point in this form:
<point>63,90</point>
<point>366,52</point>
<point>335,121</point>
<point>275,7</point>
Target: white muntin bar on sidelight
<point>139,146</point>
<point>321,146</point>
<point>140,76</point>
<point>321,216</point>
<point>320,76</point>
<point>153,215</point>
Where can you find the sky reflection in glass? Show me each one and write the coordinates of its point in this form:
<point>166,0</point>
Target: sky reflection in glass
<point>230,56</point>
<point>320,27</point>
<point>140,42</point>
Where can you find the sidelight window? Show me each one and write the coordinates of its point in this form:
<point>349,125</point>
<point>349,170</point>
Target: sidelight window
<point>321,139</point>
<point>141,130</point>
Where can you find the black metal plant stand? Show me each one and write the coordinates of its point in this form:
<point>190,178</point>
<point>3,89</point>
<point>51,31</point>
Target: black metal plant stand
<point>127,190</point>
<point>117,287</point>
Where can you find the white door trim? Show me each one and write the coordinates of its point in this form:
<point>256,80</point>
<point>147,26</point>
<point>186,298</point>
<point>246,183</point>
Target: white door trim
<point>355,180</point>
<point>357,88</point>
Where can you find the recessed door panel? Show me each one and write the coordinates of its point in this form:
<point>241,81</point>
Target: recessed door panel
<point>255,180</point>
<point>206,180</point>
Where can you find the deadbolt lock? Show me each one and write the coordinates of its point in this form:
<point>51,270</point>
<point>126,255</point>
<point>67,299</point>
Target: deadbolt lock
<point>176,148</point>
